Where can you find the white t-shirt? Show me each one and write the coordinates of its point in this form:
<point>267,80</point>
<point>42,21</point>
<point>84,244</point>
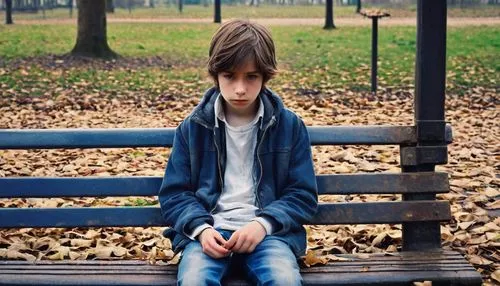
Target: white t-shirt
<point>237,204</point>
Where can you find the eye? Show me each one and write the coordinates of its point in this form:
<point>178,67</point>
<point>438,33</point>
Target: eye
<point>227,76</point>
<point>252,76</point>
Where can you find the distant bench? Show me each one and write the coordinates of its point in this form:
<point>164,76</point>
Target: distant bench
<point>421,258</point>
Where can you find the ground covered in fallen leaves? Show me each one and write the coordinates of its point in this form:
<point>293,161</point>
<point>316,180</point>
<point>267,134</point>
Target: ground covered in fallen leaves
<point>473,158</point>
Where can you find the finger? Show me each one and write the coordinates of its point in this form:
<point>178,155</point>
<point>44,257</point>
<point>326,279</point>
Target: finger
<point>212,248</point>
<point>251,249</point>
<point>246,247</point>
<point>239,244</point>
<point>210,251</point>
<point>218,248</point>
<point>219,238</point>
<point>212,254</point>
<point>232,241</point>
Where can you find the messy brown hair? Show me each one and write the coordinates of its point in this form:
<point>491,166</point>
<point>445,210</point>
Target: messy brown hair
<point>238,41</point>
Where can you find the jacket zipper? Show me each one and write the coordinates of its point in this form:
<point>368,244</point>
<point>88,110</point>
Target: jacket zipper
<point>218,161</point>
<point>220,173</point>
<point>260,162</point>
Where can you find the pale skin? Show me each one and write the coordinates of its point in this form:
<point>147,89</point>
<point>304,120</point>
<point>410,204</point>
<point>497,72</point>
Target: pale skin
<point>240,90</point>
<point>243,240</point>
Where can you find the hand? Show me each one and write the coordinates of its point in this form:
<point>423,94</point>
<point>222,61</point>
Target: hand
<point>212,243</point>
<point>247,238</point>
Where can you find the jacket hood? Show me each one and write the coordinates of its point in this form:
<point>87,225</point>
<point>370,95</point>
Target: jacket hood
<point>204,113</point>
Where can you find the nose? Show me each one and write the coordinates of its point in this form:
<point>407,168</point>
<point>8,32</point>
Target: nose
<point>240,88</point>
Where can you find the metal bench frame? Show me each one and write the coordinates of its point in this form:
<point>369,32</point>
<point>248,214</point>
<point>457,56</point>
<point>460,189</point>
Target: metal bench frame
<point>422,146</point>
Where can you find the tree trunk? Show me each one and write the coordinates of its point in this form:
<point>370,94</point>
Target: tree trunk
<point>217,16</point>
<point>91,37</point>
<point>110,6</point>
<point>329,15</point>
<point>8,12</point>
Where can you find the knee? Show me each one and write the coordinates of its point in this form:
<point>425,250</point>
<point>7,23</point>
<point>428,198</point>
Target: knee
<point>196,279</point>
<point>196,270</point>
<point>291,278</point>
<point>187,279</point>
<point>281,278</point>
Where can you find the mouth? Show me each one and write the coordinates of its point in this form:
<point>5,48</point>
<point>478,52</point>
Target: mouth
<point>239,101</point>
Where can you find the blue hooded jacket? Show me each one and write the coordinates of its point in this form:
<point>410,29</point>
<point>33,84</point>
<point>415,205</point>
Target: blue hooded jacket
<point>286,191</point>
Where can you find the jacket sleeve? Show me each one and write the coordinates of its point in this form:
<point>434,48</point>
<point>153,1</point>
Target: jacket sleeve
<point>299,200</point>
<point>180,208</point>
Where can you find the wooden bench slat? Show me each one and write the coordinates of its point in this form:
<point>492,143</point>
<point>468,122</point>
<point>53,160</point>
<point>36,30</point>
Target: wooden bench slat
<point>85,138</point>
<point>376,183</point>
<point>44,187</point>
<point>340,269</point>
<point>384,183</point>
<point>163,137</point>
<point>439,277</point>
<point>382,212</point>
<point>403,258</point>
<point>446,267</point>
<point>336,213</point>
<point>374,267</point>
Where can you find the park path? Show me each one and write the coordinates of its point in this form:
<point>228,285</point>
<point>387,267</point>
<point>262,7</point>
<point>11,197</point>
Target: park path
<point>490,21</point>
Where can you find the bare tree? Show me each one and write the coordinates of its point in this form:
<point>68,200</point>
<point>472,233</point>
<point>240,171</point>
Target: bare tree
<point>91,37</point>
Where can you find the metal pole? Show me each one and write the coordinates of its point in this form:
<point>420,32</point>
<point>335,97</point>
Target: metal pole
<point>329,15</point>
<point>217,12</point>
<point>8,12</point>
<point>430,74</point>
<point>374,53</point>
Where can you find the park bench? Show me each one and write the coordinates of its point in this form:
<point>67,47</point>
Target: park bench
<point>422,146</point>
<point>421,258</point>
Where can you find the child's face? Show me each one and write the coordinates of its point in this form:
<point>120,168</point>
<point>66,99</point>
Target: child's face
<point>240,89</point>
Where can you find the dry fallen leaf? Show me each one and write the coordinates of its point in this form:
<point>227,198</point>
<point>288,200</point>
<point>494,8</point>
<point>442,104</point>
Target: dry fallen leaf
<point>424,283</point>
<point>312,259</point>
<point>81,242</point>
<point>476,259</point>
<point>496,275</point>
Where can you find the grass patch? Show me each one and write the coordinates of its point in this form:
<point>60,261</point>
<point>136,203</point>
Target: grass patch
<point>315,57</point>
<point>263,11</point>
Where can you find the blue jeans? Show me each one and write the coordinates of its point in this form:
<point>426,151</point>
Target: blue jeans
<point>271,263</point>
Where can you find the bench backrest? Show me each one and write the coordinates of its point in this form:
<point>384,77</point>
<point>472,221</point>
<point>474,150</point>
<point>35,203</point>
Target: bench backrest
<point>416,211</point>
